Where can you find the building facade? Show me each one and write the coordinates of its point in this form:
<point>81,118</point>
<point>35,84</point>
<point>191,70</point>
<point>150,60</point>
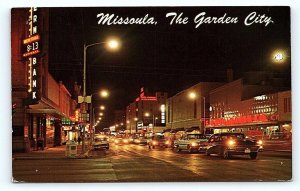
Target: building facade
<point>184,112</point>
<point>250,109</point>
<point>39,101</point>
<point>147,113</point>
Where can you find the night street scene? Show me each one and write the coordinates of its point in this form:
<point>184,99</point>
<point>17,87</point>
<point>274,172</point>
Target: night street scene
<point>151,94</point>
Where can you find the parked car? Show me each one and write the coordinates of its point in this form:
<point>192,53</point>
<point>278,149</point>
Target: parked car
<point>228,144</point>
<point>157,141</point>
<point>190,142</point>
<point>100,142</point>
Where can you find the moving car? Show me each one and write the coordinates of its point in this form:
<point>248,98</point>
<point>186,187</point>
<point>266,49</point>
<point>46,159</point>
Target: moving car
<point>141,140</point>
<point>157,141</point>
<point>228,144</point>
<point>190,142</point>
<point>121,141</point>
<point>100,142</point>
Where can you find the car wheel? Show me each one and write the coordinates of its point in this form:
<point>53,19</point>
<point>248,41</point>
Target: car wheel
<point>178,149</point>
<point>207,153</point>
<point>190,150</point>
<point>253,156</point>
<point>226,154</point>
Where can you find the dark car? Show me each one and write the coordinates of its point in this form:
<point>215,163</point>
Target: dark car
<point>228,144</point>
<point>157,141</point>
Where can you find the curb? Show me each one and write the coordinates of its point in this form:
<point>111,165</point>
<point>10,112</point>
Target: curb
<point>277,150</point>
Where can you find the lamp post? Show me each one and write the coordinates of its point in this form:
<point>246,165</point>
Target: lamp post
<point>113,45</point>
<point>193,96</point>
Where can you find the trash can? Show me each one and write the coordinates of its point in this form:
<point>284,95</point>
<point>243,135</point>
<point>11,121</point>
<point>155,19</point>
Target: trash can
<point>71,149</point>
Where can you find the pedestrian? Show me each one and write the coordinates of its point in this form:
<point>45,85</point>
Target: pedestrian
<point>79,140</point>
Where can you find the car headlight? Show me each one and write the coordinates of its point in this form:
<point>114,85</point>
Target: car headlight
<point>154,142</point>
<point>260,142</point>
<point>194,144</point>
<point>125,141</point>
<point>116,141</point>
<point>231,142</point>
<point>167,142</point>
<point>138,141</point>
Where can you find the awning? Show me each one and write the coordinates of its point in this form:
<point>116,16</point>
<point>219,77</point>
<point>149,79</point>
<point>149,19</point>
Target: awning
<point>263,124</point>
<point>46,111</point>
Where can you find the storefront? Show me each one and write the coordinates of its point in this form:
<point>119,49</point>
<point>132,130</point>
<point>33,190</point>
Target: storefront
<point>264,116</point>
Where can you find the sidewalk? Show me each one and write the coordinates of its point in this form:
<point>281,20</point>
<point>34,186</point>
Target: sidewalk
<point>57,152</point>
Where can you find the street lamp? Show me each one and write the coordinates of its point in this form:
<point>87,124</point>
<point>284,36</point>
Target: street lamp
<point>102,107</point>
<point>279,56</point>
<point>147,114</point>
<point>135,119</point>
<point>193,96</point>
<point>112,45</point>
<point>104,93</point>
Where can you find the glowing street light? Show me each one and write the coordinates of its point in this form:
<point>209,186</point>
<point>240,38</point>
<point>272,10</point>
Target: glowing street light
<point>135,119</point>
<point>113,44</point>
<point>147,114</point>
<point>279,56</point>
<point>100,114</point>
<point>102,107</point>
<point>104,93</point>
<point>192,95</point>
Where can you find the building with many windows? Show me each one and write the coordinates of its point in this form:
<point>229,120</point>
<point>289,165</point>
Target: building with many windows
<point>146,113</point>
<point>256,110</point>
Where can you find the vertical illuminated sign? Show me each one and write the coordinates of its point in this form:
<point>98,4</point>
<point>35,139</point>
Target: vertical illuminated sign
<point>31,51</point>
<point>163,113</point>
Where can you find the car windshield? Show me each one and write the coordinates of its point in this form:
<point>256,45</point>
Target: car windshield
<point>196,136</point>
<point>232,136</point>
<point>101,139</point>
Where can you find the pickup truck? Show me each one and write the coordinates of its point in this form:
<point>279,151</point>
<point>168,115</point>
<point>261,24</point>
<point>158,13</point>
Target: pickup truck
<point>190,142</point>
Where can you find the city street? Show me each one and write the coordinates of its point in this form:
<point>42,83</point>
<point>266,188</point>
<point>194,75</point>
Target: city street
<point>127,163</point>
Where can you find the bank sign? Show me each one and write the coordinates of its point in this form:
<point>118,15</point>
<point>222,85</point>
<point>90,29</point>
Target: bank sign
<point>31,51</point>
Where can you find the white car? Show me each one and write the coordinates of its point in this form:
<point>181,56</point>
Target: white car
<point>101,142</point>
<point>190,142</point>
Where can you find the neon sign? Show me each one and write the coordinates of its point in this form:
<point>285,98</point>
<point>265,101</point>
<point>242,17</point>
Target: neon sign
<point>145,98</point>
<point>241,120</point>
<point>32,49</point>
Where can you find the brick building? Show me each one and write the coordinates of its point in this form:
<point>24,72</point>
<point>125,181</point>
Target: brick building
<point>40,102</point>
<point>146,113</point>
<point>184,112</point>
<point>258,109</point>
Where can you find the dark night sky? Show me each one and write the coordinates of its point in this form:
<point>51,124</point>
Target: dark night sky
<point>162,57</point>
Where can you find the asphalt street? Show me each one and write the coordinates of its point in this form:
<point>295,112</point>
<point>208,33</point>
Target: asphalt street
<point>136,163</point>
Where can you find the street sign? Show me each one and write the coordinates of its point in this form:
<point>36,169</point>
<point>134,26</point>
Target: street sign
<point>86,99</point>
